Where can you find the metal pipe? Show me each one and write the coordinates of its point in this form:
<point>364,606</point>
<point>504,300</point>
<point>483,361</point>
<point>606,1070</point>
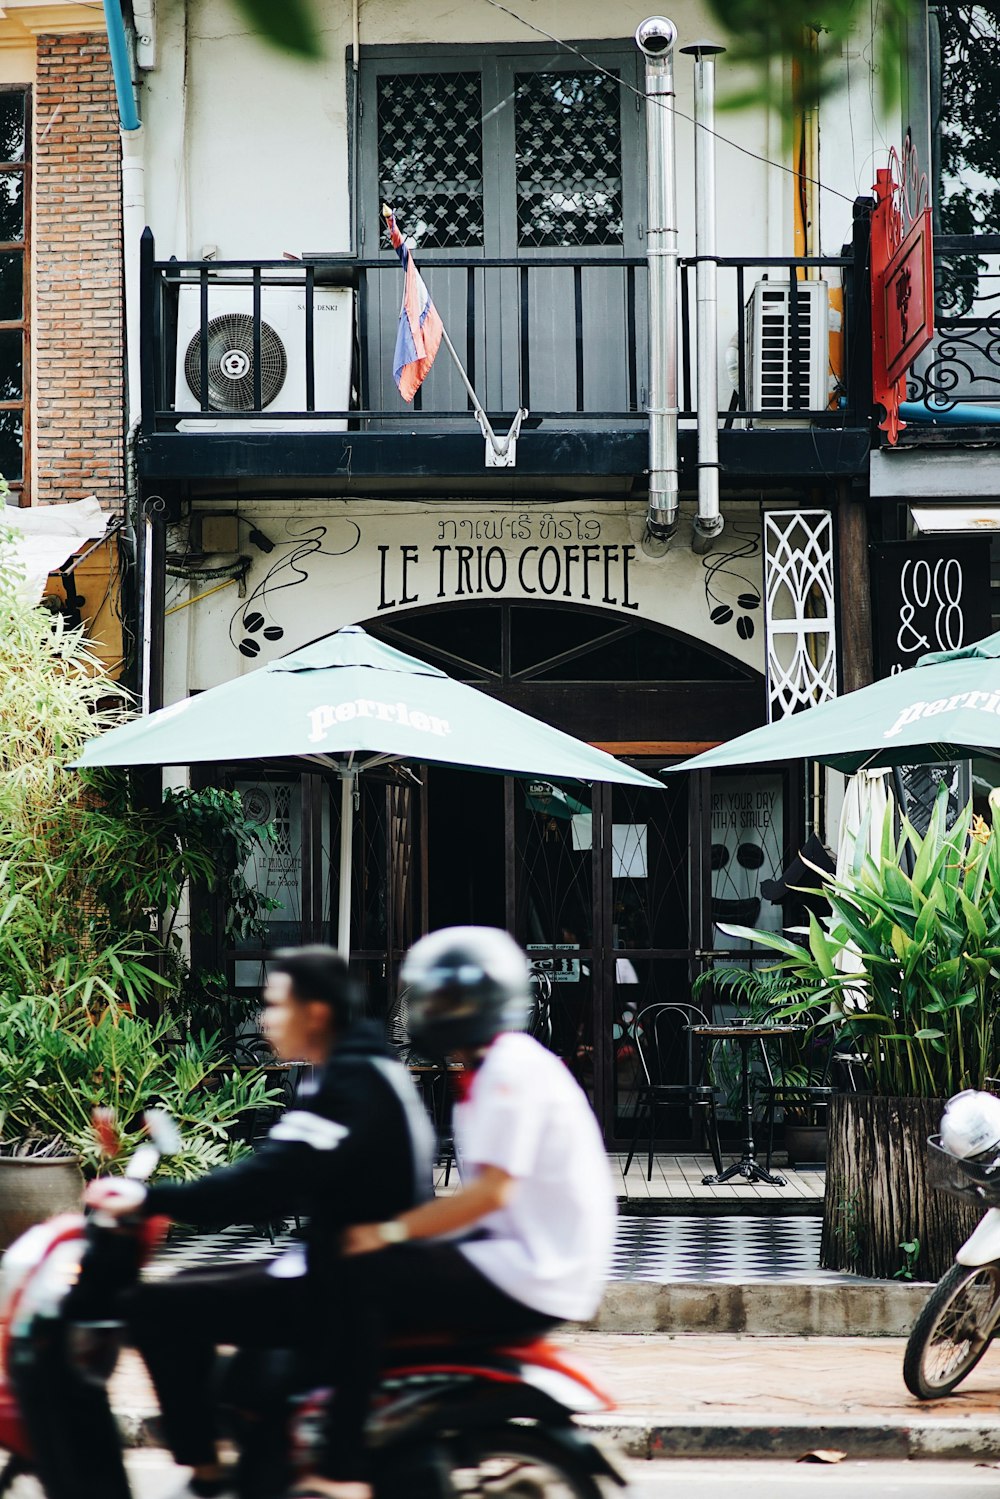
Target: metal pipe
<point>655,39</point>
<point>950,416</point>
<point>121,68</point>
<point>348,786</point>
<point>708,522</point>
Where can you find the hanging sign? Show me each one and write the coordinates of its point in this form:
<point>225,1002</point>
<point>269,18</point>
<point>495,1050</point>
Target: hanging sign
<point>930,595</point>
<point>902,274</point>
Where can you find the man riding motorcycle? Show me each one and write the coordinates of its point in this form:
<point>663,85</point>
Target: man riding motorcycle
<point>527,1240</point>
<point>356,1144</point>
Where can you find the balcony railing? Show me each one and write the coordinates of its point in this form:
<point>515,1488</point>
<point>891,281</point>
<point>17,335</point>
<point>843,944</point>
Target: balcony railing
<point>962,366</point>
<point>564,336</point>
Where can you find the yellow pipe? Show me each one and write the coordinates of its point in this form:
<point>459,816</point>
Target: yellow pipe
<point>176,608</point>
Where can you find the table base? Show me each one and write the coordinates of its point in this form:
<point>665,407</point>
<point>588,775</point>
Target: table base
<point>746,1166</point>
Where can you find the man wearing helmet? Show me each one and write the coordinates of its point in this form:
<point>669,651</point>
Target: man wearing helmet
<point>526,1242</point>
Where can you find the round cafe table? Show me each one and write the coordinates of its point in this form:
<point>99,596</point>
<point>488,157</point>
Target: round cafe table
<point>748,1165</point>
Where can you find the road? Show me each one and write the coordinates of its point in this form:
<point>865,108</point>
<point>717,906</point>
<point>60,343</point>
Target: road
<point>154,1477</point>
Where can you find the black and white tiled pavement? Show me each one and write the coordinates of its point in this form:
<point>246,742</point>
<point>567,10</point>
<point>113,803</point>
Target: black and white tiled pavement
<point>657,1250</point>
<point>718,1250</point>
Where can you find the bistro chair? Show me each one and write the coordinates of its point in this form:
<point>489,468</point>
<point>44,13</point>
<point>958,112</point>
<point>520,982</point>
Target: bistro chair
<point>812,1098</point>
<point>657,1033</point>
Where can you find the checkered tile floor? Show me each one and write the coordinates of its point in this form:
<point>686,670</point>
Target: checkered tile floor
<point>661,1250</point>
<point>718,1250</point>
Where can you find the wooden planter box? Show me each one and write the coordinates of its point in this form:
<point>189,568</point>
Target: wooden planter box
<point>877,1195</point>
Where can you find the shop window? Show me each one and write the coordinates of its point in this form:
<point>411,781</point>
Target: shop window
<point>15,194</point>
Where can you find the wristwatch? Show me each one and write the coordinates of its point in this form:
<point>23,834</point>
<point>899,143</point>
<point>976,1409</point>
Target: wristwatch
<point>393,1232</point>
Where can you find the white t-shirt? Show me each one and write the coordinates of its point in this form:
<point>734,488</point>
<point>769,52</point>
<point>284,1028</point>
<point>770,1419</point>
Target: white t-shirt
<point>550,1247</point>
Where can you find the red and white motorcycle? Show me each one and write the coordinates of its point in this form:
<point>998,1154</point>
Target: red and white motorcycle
<point>448,1419</point>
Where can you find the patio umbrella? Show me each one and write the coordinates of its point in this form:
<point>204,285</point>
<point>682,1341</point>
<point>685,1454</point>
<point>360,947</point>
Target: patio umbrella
<point>350,703</point>
<point>947,707</point>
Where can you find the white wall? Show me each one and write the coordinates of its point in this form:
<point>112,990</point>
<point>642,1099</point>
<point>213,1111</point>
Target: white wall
<point>338,562</point>
<point>248,150</point>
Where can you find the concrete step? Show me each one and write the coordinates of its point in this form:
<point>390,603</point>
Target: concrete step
<point>823,1306</point>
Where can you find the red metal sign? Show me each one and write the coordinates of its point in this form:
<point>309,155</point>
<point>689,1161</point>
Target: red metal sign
<point>902,280</point>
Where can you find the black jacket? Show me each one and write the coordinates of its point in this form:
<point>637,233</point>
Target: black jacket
<point>355,1146</point>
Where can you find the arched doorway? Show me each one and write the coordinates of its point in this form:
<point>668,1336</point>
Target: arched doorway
<point>614,890</point>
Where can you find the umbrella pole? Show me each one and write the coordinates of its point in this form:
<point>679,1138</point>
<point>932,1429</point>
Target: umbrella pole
<point>348,781</point>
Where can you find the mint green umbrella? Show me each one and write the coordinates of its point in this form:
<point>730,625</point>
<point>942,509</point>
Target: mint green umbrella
<point>947,707</point>
<point>350,703</point>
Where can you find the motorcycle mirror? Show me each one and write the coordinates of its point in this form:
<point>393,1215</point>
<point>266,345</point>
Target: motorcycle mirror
<point>162,1131</point>
<point>145,1159</point>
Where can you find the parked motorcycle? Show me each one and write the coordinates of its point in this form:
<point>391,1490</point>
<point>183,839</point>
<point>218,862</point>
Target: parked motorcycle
<point>447,1419</point>
<point>962,1313</point>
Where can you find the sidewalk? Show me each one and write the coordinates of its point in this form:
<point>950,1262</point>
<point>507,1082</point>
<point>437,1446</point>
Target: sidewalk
<point>739,1397</point>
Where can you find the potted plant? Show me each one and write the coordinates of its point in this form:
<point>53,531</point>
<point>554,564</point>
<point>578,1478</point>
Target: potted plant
<point>57,1065</point>
<point>923,921</point>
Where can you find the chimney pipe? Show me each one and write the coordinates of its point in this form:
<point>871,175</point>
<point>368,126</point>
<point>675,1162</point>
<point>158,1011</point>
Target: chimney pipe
<point>655,39</point>
<point>708,522</point>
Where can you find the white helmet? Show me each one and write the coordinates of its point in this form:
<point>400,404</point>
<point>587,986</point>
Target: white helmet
<point>970,1126</point>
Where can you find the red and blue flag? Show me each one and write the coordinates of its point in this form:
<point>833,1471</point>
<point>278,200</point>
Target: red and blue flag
<point>419,334</point>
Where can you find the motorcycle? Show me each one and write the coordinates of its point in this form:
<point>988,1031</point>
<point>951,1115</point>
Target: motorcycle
<point>962,1313</point>
<point>447,1419</point>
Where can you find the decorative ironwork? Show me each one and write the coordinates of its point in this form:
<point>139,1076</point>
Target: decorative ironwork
<point>568,155</point>
<point>964,363</point>
<point>799,611</point>
<point>430,156</point>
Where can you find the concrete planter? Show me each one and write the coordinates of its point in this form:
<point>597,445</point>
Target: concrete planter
<point>33,1188</point>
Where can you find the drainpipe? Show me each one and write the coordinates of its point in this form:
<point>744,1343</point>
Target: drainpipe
<point>133,223</point>
<point>708,523</point>
<point>655,39</point>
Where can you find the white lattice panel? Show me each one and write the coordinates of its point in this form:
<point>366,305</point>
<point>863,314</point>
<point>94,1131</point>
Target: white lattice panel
<point>799,610</point>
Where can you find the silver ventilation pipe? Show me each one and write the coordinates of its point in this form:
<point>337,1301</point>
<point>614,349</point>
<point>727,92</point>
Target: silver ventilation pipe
<point>708,522</point>
<point>655,39</point>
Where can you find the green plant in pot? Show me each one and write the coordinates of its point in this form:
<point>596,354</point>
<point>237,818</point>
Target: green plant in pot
<point>57,1065</point>
<point>920,1002</point>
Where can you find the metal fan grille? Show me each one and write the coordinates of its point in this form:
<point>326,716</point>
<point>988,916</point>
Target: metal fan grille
<point>230,363</point>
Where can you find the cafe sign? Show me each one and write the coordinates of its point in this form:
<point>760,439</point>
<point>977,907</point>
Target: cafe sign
<point>355,561</point>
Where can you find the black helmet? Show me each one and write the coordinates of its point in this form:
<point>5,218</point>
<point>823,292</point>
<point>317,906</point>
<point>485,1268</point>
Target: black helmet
<point>463,986</point>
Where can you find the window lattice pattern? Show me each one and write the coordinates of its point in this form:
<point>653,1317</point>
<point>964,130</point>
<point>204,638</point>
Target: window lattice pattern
<point>568,148</point>
<point>430,157</point>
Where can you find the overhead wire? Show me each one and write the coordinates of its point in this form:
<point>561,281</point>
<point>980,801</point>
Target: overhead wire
<point>726,140</point>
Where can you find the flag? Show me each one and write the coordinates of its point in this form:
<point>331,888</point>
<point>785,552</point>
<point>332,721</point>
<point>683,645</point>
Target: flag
<point>419,334</point>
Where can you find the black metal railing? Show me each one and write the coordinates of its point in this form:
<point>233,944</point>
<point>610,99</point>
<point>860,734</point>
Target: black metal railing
<point>962,365</point>
<point>566,338</point>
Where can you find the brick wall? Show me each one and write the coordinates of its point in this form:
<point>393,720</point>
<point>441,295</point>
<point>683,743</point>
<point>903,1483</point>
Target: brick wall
<point>77,335</point>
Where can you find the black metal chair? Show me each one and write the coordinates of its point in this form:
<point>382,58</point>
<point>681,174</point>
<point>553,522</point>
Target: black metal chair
<point>657,1032</point>
<point>812,1098</point>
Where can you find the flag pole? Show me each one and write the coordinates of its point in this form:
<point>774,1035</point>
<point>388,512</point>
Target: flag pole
<point>503,448</point>
<point>500,445</point>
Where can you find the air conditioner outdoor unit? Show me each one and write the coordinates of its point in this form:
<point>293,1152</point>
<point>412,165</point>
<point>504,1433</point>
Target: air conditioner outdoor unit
<point>282,357</point>
<point>773,377</point>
